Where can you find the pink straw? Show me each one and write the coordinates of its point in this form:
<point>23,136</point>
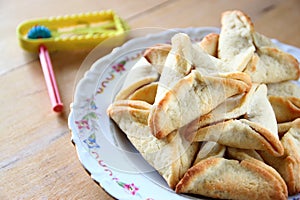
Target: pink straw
<point>53,92</point>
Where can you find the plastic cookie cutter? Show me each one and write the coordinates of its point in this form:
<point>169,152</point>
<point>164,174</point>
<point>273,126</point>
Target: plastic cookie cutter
<point>69,32</point>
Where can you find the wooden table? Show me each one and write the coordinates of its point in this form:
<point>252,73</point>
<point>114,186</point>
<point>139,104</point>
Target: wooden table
<point>37,157</point>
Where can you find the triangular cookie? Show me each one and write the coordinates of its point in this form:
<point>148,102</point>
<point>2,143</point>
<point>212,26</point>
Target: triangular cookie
<point>171,156</point>
<point>248,124</point>
<point>231,179</point>
<point>253,53</point>
<point>191,97</point>
<point>271,65</point>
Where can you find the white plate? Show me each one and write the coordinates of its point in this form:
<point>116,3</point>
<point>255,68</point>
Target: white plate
<point>104,150</point>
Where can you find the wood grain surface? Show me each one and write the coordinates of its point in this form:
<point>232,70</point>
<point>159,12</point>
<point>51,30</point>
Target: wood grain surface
<point>37,157</point>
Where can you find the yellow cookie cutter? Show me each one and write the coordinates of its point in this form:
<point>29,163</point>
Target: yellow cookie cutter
<point>73,32</point>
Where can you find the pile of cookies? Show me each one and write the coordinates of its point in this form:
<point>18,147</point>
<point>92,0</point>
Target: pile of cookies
<point>219,118</point>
